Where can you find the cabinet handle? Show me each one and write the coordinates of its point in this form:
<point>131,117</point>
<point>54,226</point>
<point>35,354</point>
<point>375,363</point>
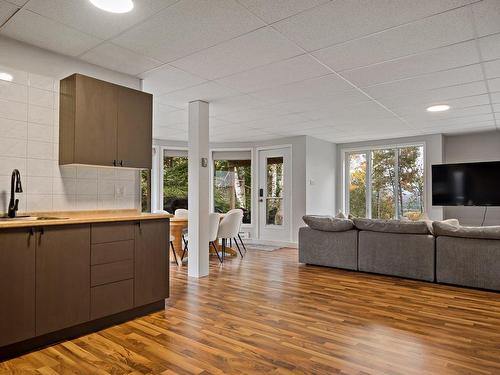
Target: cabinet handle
<point>139,224</point>
<point>31,232</point>
<point>114,163</point>
<point>121,163</point>
<point>42,231</point>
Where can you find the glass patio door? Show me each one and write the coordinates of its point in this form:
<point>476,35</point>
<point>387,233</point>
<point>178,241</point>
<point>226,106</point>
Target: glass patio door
<point>274,194</point>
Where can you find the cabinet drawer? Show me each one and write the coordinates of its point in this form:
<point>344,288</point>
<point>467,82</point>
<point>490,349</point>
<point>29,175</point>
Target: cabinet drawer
<point>109,252</point>
<point>111,298</point>
<point>110,232</point>
<point>111,272</point>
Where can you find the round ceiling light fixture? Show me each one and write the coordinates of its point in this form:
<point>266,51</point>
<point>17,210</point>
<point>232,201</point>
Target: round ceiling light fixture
<point>114,6</point>
<point>6,77</point>
<point>438,108</point>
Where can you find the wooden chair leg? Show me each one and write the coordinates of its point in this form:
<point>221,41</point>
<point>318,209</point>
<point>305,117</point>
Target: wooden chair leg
<point>173,251</point>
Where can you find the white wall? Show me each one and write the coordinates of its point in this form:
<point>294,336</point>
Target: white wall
<point>320,177</point>
<point>29,136</point>
<point>433,155</point>
<point>466,148</point>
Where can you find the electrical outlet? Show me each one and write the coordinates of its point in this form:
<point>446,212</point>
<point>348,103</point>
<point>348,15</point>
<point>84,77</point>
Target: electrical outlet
<point>119,191</point>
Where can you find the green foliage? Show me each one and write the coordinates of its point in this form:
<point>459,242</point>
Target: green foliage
<point>175,178</point>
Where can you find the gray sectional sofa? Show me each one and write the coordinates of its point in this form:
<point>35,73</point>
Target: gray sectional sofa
<point>444,252</point>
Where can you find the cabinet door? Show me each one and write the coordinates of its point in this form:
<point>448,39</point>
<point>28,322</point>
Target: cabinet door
<point>151,262</point>
<point>17,286</point>
<point>62,277</point>
<point>95,121</point>
<point>135,123</point>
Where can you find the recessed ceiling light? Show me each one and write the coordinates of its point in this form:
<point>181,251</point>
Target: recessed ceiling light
<point>438,108</point>
<point>114,6</point>
<point>6,77</point>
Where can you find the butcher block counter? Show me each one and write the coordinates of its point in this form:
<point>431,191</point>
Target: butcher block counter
<point>64,274</point>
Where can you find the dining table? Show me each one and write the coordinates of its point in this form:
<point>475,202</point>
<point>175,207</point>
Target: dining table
<point>177,226</point>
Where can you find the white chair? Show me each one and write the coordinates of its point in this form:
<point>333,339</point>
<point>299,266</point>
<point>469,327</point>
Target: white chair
<point>229,228</point>
<point>213,232</point>
<point>182,213</point>
<point>239,237</point>
<point>213,229</point>
<point>172,238</point>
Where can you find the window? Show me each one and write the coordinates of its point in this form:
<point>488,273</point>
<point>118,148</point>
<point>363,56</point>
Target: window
<point>386,183</point>
<point>274,197</point>
<point>233,182</point>
<point>175,180</point>
<point>145,190</point>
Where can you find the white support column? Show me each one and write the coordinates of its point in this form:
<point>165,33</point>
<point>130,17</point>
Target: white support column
<point>198,188</point>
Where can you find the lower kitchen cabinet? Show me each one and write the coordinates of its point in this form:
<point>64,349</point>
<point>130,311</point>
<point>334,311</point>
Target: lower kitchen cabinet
<point>62,277</point>
<point>17,285</point>
<point>151,262</point>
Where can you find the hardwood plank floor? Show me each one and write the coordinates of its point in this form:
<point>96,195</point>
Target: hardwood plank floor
<point>268,314</point>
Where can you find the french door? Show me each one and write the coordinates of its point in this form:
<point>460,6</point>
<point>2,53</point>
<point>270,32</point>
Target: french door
<point>274,194</point>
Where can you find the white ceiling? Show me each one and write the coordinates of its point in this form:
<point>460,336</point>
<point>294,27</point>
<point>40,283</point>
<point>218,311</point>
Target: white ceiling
<point>333,69</point>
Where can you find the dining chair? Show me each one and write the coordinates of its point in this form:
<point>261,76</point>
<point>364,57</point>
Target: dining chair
<point>182,213</point>
<point>239,229</point>
<point>173,249</point>
<point>213,229</point>
<point>229,227</point>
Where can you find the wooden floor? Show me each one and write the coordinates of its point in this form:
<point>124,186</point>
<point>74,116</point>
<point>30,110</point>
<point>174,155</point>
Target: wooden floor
<point>266,314</point>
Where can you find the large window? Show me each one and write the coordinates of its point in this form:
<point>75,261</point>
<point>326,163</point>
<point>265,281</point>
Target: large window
<point>233,182</point>
<point>386,183</point>
<point>175,180</point>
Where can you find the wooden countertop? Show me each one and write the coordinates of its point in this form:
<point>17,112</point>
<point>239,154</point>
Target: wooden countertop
<point>79,217</point>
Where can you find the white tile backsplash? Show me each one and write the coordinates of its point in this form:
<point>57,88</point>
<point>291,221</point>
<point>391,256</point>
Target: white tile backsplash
<point>29,136</point>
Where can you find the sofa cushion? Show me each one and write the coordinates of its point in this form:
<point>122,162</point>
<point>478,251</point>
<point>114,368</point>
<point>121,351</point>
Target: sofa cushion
<point>430,222</point>
<point>327,223</point>
<point>392,226</point>
<point>451,230</point>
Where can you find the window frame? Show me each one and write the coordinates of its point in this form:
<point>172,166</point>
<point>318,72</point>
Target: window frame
<point>367,150</point>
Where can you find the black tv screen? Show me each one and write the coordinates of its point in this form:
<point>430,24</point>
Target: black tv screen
<point>466,184</point>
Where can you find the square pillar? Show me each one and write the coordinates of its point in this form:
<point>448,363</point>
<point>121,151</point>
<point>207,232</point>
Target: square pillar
<point>198,188</point>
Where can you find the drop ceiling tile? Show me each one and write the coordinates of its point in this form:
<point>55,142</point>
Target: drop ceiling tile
<point>7,10</point>
<point>494,84</point>
<point>466,120</point>
<point>428,62</point>
<point>234,104</point>
<point>83,16</point>
<point>188,26</point>
<point>167,118</point>
<point>460,128</point>
<point>487,17</point>
<point>275,10</point>
<point>421,113</point>
<point>167,79</point>
<point>433,32</point>
<point>495,97</point>
<point>492,69</point>
<point>490,47</point>
<point>19,3</point>
<point>34,29</point>
<point>117,58</point>
<point>465,76</point>
<point>340,21</point>
<point>283,72</point>
<point>421,101</point>
<point>496,108</point>
<point>320,88</point>
<point>257,48</point>
<point>209,91</point>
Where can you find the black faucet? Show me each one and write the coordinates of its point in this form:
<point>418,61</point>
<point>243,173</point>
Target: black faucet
<point>15,181</point>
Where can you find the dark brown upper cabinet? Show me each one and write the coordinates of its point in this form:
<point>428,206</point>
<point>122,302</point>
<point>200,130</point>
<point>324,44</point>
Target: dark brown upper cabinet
<point>101,123</point>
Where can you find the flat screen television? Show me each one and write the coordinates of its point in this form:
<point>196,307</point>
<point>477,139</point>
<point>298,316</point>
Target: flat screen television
<point>466,184</point>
